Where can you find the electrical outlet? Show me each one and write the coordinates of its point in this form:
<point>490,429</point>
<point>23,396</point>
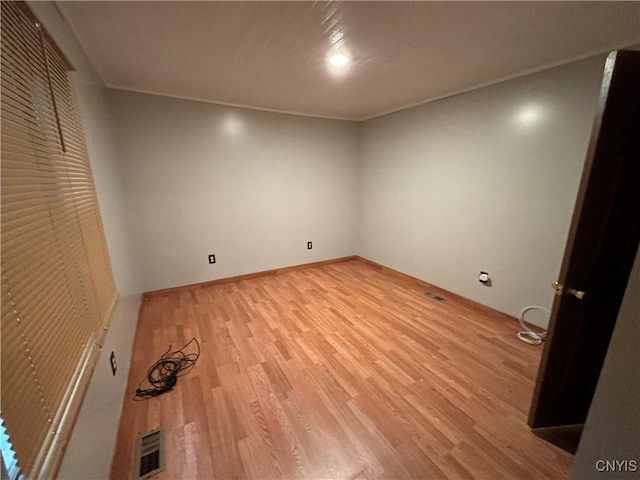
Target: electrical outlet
<point>309,245</point>
<point>114,365</point>
<point>485,279</point>
<point>212,258</point>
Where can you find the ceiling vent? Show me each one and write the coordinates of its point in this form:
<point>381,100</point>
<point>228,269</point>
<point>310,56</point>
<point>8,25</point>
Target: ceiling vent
<point>149,454</point>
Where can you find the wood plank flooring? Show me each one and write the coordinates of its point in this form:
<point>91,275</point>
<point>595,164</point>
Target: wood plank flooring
<point>336,372</point>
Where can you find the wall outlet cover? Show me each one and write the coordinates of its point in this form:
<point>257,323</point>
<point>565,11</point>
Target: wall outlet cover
<point>212,258</point>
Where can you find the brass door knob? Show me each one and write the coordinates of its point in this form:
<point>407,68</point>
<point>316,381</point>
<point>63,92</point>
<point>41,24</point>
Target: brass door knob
<point>557,287</point>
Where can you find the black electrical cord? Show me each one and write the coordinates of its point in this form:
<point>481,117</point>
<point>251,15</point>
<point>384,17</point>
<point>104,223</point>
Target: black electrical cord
<point>163,375</point>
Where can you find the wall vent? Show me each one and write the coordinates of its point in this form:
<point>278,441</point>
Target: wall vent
<point>149,454</point>
<point>435,296</point>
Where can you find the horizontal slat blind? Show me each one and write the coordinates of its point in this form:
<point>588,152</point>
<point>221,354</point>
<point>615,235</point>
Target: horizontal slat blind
<point>24,224</point>
<point>57,286</point>
<point>81,185</point>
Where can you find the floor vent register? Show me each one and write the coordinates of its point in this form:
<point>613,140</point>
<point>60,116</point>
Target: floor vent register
<point>149,454</point>
<point>435,296</point>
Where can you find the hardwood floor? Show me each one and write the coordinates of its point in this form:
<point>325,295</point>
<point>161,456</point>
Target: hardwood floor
<point>336,372</point>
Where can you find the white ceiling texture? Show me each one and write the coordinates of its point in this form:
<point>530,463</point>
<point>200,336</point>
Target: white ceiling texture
<point>274,55</point>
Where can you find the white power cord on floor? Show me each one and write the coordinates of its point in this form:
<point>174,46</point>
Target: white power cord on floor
<point>527,335</point>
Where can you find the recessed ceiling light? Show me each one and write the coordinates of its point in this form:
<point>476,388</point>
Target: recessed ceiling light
<point>339,63</point>
<point>339,60</point>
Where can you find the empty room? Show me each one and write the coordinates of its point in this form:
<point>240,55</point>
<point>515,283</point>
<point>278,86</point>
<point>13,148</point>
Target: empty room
<point>320,240</point>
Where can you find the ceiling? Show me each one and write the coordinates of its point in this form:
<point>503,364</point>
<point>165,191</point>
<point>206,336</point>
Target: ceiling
<point>272,55</point>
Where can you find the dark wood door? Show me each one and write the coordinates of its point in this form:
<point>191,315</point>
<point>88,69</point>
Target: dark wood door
<point>602,244</point>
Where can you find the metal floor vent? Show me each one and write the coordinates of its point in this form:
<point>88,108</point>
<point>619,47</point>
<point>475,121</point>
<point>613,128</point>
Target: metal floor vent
<point>435,296</point>
<point>149,454</point>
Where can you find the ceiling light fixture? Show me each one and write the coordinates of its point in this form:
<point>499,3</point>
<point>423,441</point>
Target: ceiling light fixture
<point>338,63</point>
<point>338,60</point>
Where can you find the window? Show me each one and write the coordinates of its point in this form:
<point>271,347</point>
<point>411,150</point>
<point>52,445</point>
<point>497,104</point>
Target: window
<point>57,287</point>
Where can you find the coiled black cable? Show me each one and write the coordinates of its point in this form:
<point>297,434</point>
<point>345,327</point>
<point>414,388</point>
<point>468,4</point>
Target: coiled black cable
<point>163,375</point>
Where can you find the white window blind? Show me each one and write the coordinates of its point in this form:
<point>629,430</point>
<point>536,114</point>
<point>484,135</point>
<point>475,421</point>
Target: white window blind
<point>57,286</point>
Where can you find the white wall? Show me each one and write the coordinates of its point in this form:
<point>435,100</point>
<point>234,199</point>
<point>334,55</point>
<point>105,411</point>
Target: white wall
<point>485,180</point>
<point>92,442</point>
<point>92,445</point>
<point>92,102</point>
<point>250,187</point>
<point>612,430</point>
